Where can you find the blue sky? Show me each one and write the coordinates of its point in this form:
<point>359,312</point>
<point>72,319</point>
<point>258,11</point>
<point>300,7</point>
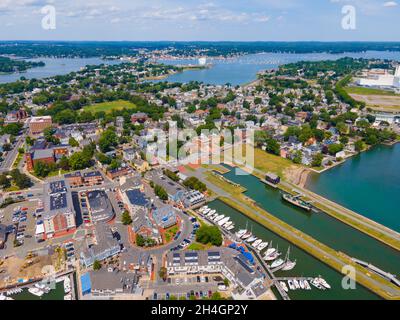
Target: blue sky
<point>246,20</point>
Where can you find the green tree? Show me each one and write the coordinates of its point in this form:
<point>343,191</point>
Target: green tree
<point>4,181</point>
<point>126,218</point>
<point>72,142</point>
<point>209,234</point>
<point>335,148</point>
<point>96,265</point>
<point>163,273</point>
<point>273,147</point>
<point>64,163</point>
<point>317,160</point>
<point>160,192</point>
<point>359,145</point>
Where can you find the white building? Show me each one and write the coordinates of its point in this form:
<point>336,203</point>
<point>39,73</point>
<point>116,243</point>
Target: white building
<point>383,79</point>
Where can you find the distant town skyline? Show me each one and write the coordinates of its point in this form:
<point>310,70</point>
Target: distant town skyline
<point>190,20</point>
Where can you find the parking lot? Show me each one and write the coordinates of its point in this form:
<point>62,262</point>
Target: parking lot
<point>187,286</point>
<point>21,223</point>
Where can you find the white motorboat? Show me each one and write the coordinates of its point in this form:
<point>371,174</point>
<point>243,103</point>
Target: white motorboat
<point>223,221</point>
<point>203,208</point>
<point>251,239</point>
<point>206,211</point>
<point>211,213</point>
<point>219,218</point>
<point>68,297</point>
<point>323,282</point>
<point>67,285</point>
<point>317,284</point>
<point>301,283</point>
<point>36,291</point>
<point>230,228</point>
<point>277,263</point>
<point>296,284</point>
<point>228,224</point>
<point>283,285</point>
<point>262,246</point>
<point>291,285</point>
<point>306,284</point>
<point>256,243</point>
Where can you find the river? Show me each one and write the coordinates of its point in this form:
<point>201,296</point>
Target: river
<point>368,183</point>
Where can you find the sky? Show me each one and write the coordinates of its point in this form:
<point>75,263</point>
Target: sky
<point>198,20</point>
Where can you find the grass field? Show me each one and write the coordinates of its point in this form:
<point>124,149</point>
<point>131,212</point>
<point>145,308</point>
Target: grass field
<point>369,91</point>
<point>110,106</point>
<point>267,162</point>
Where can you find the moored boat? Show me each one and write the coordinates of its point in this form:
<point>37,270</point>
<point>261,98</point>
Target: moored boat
<point>283,285</point>
<point>277,263</point>
<point>296,201</point>
<point>262,246</point>
<point>256,243</point>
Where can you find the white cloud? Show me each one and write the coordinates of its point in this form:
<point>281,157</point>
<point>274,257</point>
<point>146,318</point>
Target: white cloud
<point>390,4</point>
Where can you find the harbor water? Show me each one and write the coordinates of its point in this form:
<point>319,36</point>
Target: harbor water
<point>367,183</point>
<point>306,265</point>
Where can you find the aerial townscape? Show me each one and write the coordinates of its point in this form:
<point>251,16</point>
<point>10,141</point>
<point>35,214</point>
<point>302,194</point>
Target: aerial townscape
<point>199,170</point>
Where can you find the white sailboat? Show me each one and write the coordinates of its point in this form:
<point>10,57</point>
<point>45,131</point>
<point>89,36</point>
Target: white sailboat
<point>241,233</point>
<point>289,265</point>
<point>251,239</point>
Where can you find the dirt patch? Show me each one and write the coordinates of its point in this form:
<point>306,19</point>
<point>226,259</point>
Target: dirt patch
<point>297,175</point>
<point>14,268</point>
<point>379,102</point>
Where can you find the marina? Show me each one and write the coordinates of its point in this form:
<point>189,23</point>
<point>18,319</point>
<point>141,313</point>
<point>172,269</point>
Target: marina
<point>322,227</point>
<point>305,263</point>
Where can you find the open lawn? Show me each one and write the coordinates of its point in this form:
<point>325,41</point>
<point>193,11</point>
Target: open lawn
<point>369,91</point>
<point>110,106</point>
<point>267,162</point>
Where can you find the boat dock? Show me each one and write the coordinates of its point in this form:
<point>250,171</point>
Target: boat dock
<point>378,271</point>
<point>270,273</point>
<point>232,236</point>
<point>275,186</point>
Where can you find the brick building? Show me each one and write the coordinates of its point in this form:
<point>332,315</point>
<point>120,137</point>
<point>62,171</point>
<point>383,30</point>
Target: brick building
<point>38,124</point>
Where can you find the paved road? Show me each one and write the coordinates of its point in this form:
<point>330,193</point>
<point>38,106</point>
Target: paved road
<point>6,165</point>
<point>298,238</point>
